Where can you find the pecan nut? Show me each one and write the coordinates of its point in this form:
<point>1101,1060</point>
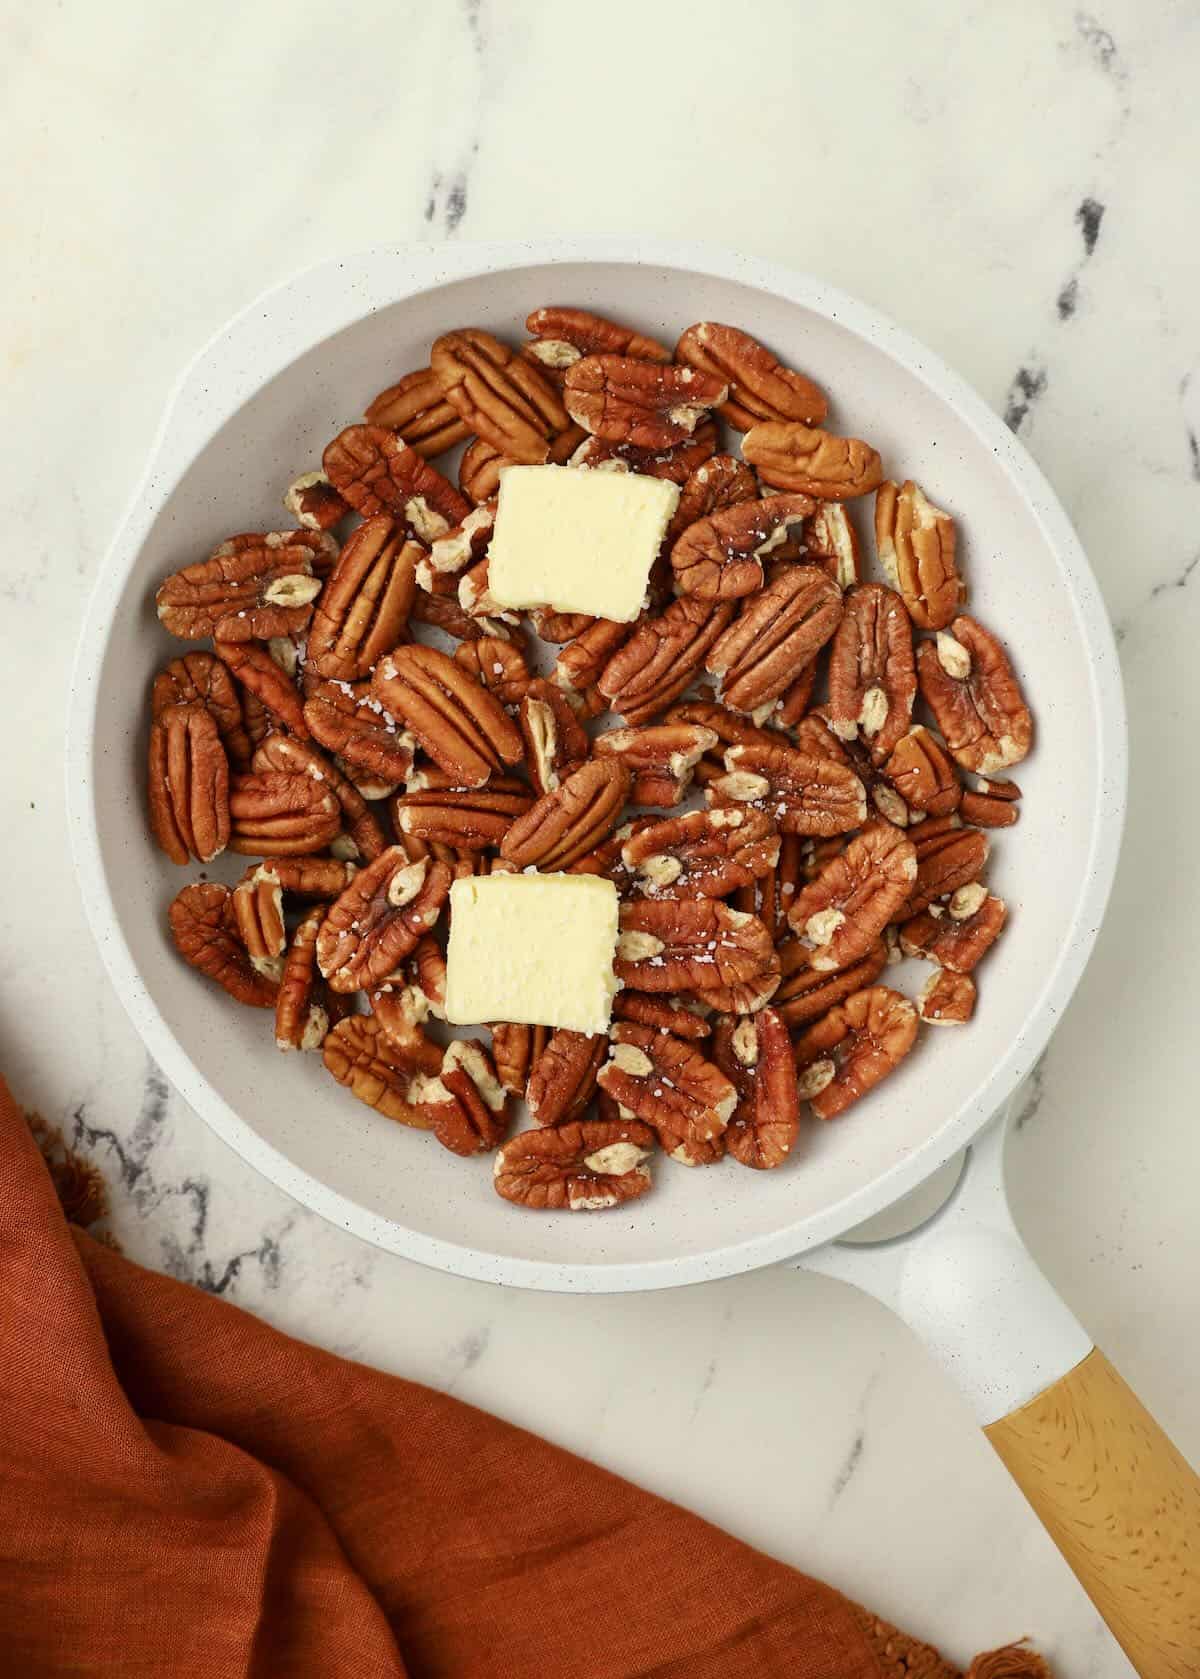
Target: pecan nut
<point>958,933</point>
<point>297,757</point>
<point>361,1056</point>
<point>661,757</point>
<point>262,677</point>
<point>516,1050</point>
<point>712,487</point>
<point>948,856</point>
<point>803,793</point>
<point>579,665</point>
<point>499,666</point>
<point>872,675</point>
<point>991,804</point>
<point>363,609</point>
<point>770,894</point>
<point>465,1105</point>
<point>584,1166</point>
<point>462,727</point>
<point>314,503</point>
<point>730,729</point>
<point>573,819</point>
<point>562,1079</point>
<point>916,543</point>
<point>815,463</point>
<point>831,541</point>
<point>703,854</point>
<point>806,993</point>
<point>188,784</point>
<point>722,556</point>
<point>249,588</point>
<point>280,815</point>
<point>402,1011</point>
<point>755,1054</point>
<point>661,657</point>
<point>377,472</point>
<point>464,818</point>
<point>258,911</point>
<point>667,1084</point>
<point>562,336</point>
<point>348,719</point>
<point>665,1014</point>
<point>760,386</point>
<point>555,740</point>
<point>377,921</point>
<point>205,934</point>
<point>920,770</point>
<point>693,944</point>
<point>304,1008</point>
<point>444,613</point>
<point>415,407</point>
<point>856,1045</point>
<point>777,632</point>
<point>845,909</point>
<point>452,554</point>
<point>202,679</point>
<point>969,685</point>
<point>505,401</point>
<point>560,627</point>
<point>946,999</point>
<point>676,463</point>
<point>650,405</point>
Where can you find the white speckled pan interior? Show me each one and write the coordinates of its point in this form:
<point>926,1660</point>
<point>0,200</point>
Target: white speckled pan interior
<point>255,409</point>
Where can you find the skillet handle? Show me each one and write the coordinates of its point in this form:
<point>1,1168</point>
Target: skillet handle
<point>1113,1492</point>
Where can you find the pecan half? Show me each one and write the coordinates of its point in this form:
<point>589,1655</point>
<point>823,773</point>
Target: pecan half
<point>298,757</point>
<point>777,631</point>
<point>465,818</point>
<point>251,587</point>
<point>802,793</point>
<point>499,666</point>
<point>364,607</point>
<point>661,657</point>
<point>661,757</point>
<point>462,727</point>
<point>504,400</point>
<point>668,1084</point>
<point>555,740</point>
<point>349,720</point>
<point>362,1057</point>
<point>377,472</point>
<point>580,663</point>
<point>205,934</point>
<point>831,541</point>
<point>563,1077</point>
<point>920,770</point>
<point>567,823</point>
<point>703,854</point>
<point>991,804</point>
<point>584,1166</point>
<point>813,462</point>
<point>948,856</point>
<point>402,1011</point>
<point>258,911</point>
<point>845,909</point>
<point>872,677</point>
<point>675,463</point>
<point>712,487</point>
<point>559,626</point>
<point>415,407</point>
<point>665,1014</point>
<point>202,679</point>
<point>968,684</point>
<point>280,815</point>
<point>755,1054</point>
<point>647,404</point>
<point>916,542</point>
<point>465,1104</point>
<point>946,999</point>
<point>314,503</point>
<point>854,1047</point>
<point>444,613</point>
<point>806,993</point>
<point>301,1006</point>
<point>260,675</point>
<point>958,933</point>
<point>770,894</point>
<point>378,919</point>
<point>693,944</point>
<point>482,463</point>
<point>587,335</point>
<point>452,554</point>
<point>188,784</point>
<point>722,556</point>
<point>516,1050</point>
<point>760,386</point>
<point>730,729</point>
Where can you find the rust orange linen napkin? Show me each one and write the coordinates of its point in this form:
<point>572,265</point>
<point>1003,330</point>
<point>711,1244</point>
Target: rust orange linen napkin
<point>186,1491</point>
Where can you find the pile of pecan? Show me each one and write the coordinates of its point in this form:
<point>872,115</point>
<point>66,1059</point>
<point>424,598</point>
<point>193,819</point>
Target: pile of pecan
<point>781,824</point>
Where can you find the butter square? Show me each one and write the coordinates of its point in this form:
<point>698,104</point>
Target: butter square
<point>578,539</point>
<point>536,949</point>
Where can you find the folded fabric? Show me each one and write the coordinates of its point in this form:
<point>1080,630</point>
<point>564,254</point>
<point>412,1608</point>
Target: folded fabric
<point>186,1491</point>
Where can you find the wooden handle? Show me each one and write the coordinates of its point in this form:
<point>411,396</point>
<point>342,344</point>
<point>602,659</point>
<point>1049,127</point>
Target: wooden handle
<point>1122,1506</point>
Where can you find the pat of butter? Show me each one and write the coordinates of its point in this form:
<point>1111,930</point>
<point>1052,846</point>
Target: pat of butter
<point>536,949</point>
<point>577,539</point>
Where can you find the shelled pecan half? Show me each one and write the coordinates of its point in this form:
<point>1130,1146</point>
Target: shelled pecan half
<point>811,462</point>
<point>916,544</point>
<point>667,1084</point>
<point>650,405</point>
<point>843,912</point>
<point>363,610</point>
<point>205,933</point>
<point>661,758</point>
<point>273,814</point>
<point>379,918</point>
<point>463,728</point>
<point>584,1166</point>
<point>872,675</point>
<point>777,633</point>
<point>857,1045</point>
<point>969,685</point>
<point>415,407</point>
<point>702,854</point>
<point>801,792</point>
<point>693,944</point>
<point>349,720</point>
<point>188,784</point>
<point>571,820</point>
<point>507,402</point>
<point>760,386</point>
<point>755,1054</point>
<point>562,1079</point>
<point>377,472</point>
<point>724,556</point>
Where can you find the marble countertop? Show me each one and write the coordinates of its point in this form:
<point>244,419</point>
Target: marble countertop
<point>1012,186</point>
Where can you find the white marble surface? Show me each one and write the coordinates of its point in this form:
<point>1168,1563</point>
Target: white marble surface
<point>1013,184</point>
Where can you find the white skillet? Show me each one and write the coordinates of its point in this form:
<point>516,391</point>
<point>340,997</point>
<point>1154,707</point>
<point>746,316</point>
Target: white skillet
<point>254,409</point>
